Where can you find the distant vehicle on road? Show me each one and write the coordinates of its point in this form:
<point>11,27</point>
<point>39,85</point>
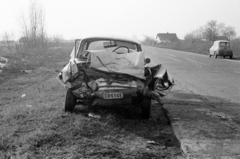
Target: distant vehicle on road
<point>112,71</point>
<point>221,48</point>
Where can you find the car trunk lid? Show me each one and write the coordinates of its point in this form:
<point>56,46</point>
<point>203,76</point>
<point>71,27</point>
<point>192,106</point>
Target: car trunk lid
<point>111,62</point>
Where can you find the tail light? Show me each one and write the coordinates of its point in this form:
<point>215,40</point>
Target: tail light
<point>93,85</point>
<point>166,83</point>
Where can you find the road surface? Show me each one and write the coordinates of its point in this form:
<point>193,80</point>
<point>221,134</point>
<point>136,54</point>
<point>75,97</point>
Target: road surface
<point>200,74</point>
<point>204,105</point>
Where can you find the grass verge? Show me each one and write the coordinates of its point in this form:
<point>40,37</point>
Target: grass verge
<point>34,125</point>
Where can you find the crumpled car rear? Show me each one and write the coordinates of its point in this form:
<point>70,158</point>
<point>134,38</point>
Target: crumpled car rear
<point>103,77</point>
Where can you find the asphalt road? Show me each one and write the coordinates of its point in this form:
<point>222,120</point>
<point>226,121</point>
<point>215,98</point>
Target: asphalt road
<point>213,79</point>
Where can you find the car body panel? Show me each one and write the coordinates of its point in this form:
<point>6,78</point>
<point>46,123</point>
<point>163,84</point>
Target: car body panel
<point>132,63</point>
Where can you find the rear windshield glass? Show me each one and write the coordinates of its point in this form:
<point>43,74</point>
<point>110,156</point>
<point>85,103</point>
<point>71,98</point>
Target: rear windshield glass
<point>224,44</point>
<point>113,45</point>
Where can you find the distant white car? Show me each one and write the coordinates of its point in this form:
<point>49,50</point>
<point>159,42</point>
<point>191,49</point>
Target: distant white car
<point>221,48</point>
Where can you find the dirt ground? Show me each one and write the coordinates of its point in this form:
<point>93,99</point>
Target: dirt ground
<point>33,124</point>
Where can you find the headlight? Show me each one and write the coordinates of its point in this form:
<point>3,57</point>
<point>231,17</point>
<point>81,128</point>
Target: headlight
<point>166,84</point>
<point>93,85</point>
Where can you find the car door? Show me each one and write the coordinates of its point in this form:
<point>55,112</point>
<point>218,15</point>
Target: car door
<point>211,50</point>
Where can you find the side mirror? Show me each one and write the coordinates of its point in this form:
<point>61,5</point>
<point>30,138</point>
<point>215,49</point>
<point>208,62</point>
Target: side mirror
<point>147,60</point>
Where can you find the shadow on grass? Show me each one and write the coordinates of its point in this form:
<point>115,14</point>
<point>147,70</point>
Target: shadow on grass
<point>157,129</point>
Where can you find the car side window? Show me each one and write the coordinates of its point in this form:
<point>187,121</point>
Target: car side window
<point>213,45</point>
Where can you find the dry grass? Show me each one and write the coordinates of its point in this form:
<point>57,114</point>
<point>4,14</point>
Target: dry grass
<point>35,126</point>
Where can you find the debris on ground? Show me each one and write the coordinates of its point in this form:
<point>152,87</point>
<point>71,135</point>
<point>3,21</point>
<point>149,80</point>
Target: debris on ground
<point>152,142</point>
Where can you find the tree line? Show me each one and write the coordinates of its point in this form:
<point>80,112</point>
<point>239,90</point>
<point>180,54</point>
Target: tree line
<point>211,30</point>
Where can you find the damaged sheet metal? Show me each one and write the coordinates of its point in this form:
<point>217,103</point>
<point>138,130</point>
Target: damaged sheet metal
<point>113,71</point>
<point>131,63</point>
<point>69,71</point>
<point>109,71</point>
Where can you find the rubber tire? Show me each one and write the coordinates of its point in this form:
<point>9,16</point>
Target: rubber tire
<point>146,108</point>
<point>230,57</point>
<point>215,55</point>
<point>210,55</point>
<point>70,102</point>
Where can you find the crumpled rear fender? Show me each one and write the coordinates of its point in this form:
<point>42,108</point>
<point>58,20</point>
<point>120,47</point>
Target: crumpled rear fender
<point>67,73</point>
<point>162,81</point>
<point>160,71</point>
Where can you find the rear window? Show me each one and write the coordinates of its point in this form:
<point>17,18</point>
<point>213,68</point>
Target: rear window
<point>224,44</point>
<point>110,45</point>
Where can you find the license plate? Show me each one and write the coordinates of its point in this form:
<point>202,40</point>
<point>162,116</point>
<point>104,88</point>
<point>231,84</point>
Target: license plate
<point>113,95</point>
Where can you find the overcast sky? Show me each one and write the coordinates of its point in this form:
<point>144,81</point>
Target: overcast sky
<point>131,18</point>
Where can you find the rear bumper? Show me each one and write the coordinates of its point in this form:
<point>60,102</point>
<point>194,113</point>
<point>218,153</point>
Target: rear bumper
<point>99,97</point>
<point>225,53</point>
<point>126,92</point>
<point>100,93</point>
<point>127,98</point>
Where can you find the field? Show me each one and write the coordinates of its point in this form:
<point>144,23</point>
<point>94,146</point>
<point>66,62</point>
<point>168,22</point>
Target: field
<point>35,126</point>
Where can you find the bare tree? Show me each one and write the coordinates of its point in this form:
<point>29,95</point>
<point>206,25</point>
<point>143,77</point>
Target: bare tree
<point>197,34</point>
<point>210,32</point>
<point>229,32</point>
<point>189,37</point>
<point>33,16</point>
<point>212,29</point>
<point>42,32</point>
<point>149,40</point>
<point>36,21</point>
<point>33,28</point>
<point>23,24</point>
<point>57,39</point>
<point>8,41</point>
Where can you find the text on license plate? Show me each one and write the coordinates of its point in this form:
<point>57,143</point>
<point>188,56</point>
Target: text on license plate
<point>113,95</point>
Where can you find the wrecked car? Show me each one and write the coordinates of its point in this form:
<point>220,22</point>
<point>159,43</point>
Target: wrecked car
<point>109,71</point>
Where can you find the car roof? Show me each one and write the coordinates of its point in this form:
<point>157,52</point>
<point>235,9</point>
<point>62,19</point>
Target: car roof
<point>112,38</point>
<point>217,41</point>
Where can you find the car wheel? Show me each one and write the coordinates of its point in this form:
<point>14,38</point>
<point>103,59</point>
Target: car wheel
<point>224,57</point>
<point>210,55</point>
<point>146,108</point>
<point>215,55</point>
<point>70,101</point>
<point>230,57</point>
